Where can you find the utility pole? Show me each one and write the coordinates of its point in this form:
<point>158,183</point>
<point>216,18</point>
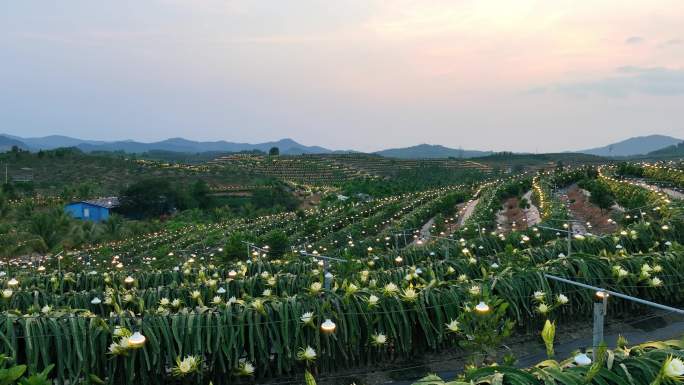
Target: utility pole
<point>327,276</point>
<point>567,230</point>
<point>59,262</point>
<point>569,238</point>
<point>600,310</point>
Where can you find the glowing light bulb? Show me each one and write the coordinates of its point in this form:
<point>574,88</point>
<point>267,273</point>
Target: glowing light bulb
<point>482,307</point>
<point>137,339</point>
<point>328,326</point>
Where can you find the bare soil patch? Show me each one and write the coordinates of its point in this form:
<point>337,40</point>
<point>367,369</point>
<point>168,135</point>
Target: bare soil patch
<point>585,211</point>
<point>512,217</point>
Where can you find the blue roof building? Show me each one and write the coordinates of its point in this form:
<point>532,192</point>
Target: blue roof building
<point>95,210</point>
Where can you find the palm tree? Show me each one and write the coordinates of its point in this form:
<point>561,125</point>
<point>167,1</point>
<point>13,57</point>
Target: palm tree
<point>51,227</point>
<point>85,232</point>
<point>4,205</point>
<point>113,226</point>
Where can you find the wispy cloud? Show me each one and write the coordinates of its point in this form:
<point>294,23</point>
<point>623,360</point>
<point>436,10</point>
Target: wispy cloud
<point>627,80</point>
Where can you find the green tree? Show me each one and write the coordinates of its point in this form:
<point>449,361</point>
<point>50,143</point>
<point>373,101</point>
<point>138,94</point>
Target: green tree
<point>148,198</point>
<point>559,166</point>
<point>85,232</point>
<point>278,243</point>
<point>200,193</point>
<point>601,195</point>
<point>235,248</point>
<point>114,226</point>
<point>274,151</point>
<point>84,190</point>
<point>274,196</point>
<point>4,205</point>
<point>25,210</point>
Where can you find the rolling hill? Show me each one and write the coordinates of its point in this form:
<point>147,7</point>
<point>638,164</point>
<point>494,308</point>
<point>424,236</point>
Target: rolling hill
<point>52,141</point>
<point>634,146</point>
<point>676,150</point>
<point>428,151</point>
<point>6,143</point>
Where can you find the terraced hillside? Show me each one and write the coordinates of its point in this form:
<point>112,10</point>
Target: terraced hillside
<point>48,172</point>
<point>337,169</point>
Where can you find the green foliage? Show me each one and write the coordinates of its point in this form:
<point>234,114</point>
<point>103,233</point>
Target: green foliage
<point>485,331</point>
<point>548,333</point>
<point>199,191</point>
<point>601,194</point>
<point>630,169</point>
<point>514,189</point>
<point>643,364</point>
<point>156,197</point>
<point>39,378</point>
<point>278,243</point>
<point>274,196</point>
<point>309,378</point>
<point>50,227</point>
<point>234,247</point>
<point>13,374</point>
<point>408,180</point>
<point>148,198</point>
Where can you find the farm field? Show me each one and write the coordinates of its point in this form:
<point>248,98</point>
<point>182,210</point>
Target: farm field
<point>354,286</point>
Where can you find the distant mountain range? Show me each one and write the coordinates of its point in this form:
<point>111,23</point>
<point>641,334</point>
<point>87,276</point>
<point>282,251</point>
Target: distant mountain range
<point>631,147</point>
<point>7,142</point>
<point>286,146</point>
<point>639,145</point>
<point>430,151</point>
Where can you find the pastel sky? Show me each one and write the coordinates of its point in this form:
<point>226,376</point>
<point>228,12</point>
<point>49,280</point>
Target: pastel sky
<point>518,75</point>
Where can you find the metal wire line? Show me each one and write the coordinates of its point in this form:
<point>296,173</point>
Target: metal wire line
<point>143,318</point>
<point>266,322</point>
